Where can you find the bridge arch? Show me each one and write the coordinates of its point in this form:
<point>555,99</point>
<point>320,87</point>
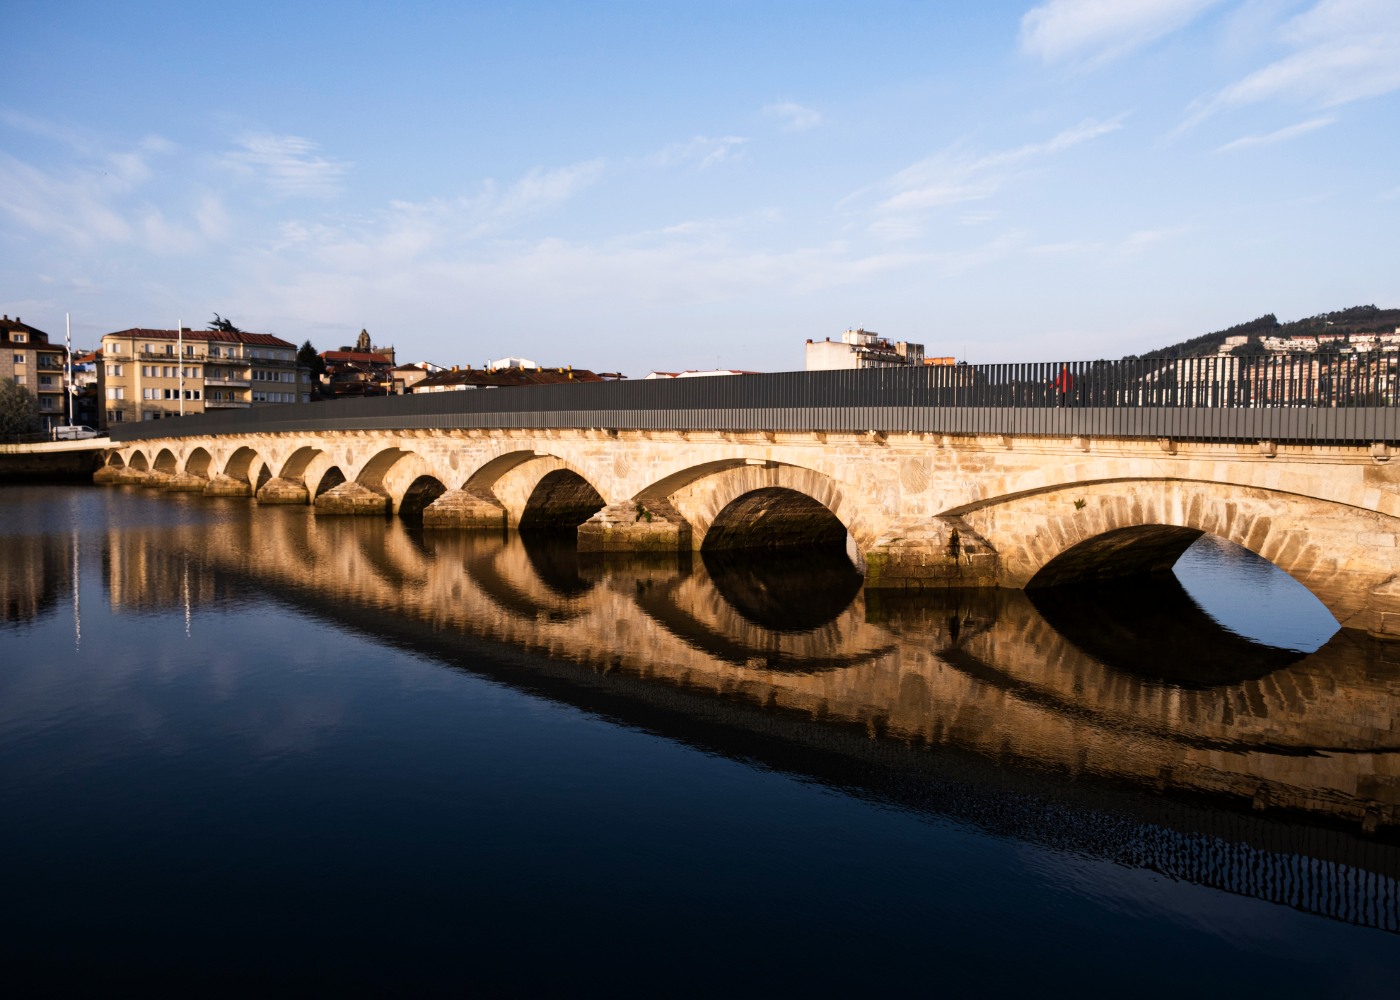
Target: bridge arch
<point>198,462</point>
<point>539,490</point>
<point>709,497</point>
<point>165,461</point>
<point>1102,530</point>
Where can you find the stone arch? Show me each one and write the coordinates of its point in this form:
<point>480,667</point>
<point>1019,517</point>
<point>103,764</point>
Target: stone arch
<point>165,461</point>
<point>296,463</point>
<point>1347,557</point>
<point>240,464</point>
<point>703,494</point>
<point>515,479</point>
<point>561,499</point>
<point>405,473</point>
<point>138,461</point>
<point>199,462</point>
<point>326,479</point>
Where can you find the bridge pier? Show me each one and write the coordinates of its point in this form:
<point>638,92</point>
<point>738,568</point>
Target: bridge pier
<point>185,482</point>
<point>284,491</point>
<point>354,499</point>
<point>465,509</point>
<point>946,553</point>
<point>634,526</point>
<point>227,486</point>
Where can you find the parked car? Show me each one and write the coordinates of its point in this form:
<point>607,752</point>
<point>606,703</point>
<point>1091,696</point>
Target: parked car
<point>66,432</point>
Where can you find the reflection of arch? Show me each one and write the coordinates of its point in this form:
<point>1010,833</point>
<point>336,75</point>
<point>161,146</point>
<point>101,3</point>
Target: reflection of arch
<point>1106,530</point>
<point>695,612</point>
<point>561,499</point>
<point>198,463</point>
<point>165,461</point>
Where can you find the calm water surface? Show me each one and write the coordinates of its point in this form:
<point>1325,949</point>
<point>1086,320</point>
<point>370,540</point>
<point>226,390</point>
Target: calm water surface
<point>246,746</point>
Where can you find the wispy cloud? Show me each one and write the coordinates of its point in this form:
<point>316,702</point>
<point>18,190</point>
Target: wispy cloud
<point>288,165</point>
<point>704,151</point>
<point>796,118</point>
<point>1093,32</point>
<point>1343,51</point>
<point>953,176</point>
<point>1280,135</point>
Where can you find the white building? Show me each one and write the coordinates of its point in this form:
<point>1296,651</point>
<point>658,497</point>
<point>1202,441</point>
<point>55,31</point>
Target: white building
<point>862,348</point>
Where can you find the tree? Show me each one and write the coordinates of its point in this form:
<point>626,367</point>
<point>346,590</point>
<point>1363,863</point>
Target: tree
<point>307,357</point>
<point>223,325</point>
<point>19,410</point>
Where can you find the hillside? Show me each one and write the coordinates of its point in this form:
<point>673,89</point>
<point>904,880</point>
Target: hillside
<point>1357,319</point>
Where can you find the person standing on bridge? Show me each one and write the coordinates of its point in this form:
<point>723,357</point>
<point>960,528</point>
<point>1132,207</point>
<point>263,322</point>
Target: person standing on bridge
<point>1063,384</point>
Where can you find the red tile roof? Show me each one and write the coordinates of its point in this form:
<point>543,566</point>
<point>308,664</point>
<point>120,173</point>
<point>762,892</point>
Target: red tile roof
<point>221,336</point>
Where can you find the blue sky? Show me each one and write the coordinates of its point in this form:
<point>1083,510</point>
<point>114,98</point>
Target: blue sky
<point>638,185</point>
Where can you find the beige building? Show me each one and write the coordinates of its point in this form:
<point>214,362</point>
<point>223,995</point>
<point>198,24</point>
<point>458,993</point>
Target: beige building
<point>27,357</point>
<point>861,348</point>
<point>152,374</point>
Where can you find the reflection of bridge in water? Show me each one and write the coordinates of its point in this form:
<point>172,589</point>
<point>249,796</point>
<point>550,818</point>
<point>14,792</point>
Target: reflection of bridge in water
<point>921,699</point>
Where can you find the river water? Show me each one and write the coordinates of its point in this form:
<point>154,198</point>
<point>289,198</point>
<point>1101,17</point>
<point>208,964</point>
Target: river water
<point>246,746</point>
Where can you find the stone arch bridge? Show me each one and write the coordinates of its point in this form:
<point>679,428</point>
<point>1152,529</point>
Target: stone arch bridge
<point>914,508</point>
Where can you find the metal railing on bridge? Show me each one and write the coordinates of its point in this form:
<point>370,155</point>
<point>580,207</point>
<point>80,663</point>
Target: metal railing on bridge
<point>1282,398</point>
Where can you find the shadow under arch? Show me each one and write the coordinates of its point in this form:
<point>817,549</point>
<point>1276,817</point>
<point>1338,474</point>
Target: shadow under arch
<point>775,517</point>
<point>240,463</point>
<point>562,500</point>
<point>199,462</point>
<point>139,462</point>
<point>421,492</point>
<point>329,480</point>
<point>165,461</point>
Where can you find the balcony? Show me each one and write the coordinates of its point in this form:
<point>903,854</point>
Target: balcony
<point>232,383</point>
<point>226,404</point>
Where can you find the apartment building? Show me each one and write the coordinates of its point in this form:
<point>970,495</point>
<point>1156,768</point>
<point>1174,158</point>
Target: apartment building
<point>153,374</point>
<point>27,357</point>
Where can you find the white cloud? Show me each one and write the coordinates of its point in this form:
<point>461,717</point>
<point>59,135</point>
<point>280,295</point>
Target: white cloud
<point>702,150</point>
<point>798,118</point>
<point>1343,51</point>
<point>287,164</point>
<point>1093,32</point>
<point>952,177</point>
<point>1280,135</point>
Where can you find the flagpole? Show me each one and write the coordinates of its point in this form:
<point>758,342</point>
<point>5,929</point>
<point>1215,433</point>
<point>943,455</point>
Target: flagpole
<point>180,353</point>
<point>68,347</point>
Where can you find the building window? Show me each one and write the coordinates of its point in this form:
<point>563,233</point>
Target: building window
<point>116,348</point>
<point>114,371</point>
<point>45,380</point>
<point>46,402</point>
<point>213,352</point>
<point>20,379</point>
<point>114,416</point>
<point>19,359</point>
<point>116,392</point>
<point>18,337</point>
